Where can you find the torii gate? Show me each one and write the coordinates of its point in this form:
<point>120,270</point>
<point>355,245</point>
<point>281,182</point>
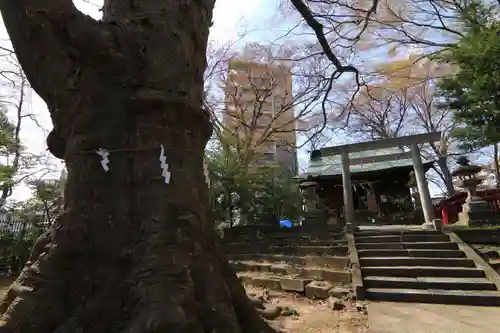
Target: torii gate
<point>411,140</point>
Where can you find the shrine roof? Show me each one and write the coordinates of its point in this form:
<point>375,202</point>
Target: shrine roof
<point>332,165</point>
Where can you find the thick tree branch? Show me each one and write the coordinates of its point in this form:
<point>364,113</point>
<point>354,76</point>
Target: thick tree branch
<point>31,25</point>
<point>318,31</point>
<point>49,38</point>
<point>340,69</point>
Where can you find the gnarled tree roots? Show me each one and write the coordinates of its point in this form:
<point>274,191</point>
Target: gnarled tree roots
<point>54,295</point>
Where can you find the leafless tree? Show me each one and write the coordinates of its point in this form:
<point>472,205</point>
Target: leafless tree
<point>379,113</point>
<point>14,99</point>
<point>269,102</point>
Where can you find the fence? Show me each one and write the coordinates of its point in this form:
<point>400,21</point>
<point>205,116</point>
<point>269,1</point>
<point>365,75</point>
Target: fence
<point>15,228</point>
<point>16,240</point>
<point>452,206</point>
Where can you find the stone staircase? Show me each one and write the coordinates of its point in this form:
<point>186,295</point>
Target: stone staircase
<point>292,260</point>
<point>425,267</point>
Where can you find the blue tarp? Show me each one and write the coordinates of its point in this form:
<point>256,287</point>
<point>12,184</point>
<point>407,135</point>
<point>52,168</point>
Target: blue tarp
<point>286,224</point>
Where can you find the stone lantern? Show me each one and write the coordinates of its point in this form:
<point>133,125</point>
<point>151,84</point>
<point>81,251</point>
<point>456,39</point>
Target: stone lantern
<point>475,211</point>
<point>310,195</point>
<point>314,212</point>
<point>412,185</point>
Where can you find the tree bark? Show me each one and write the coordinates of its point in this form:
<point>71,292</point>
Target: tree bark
<point>497,166</point>
<point>130,253</point>
<point>446,174</point>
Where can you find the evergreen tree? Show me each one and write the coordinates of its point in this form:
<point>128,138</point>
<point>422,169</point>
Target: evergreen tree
<point>473,93</point>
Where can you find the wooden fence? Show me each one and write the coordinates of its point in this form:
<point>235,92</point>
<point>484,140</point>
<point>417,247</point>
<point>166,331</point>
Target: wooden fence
<point>15,228</point>
<point>452,206</point>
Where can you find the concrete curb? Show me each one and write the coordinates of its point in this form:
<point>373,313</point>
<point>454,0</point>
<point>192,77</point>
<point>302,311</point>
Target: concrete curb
<point>490,273</point>
<point>357,278</point>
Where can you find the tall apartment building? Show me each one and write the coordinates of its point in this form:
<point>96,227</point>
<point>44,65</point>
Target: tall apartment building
<point>259,110</point>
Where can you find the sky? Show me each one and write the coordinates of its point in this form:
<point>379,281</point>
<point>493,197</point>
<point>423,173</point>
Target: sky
<point>231,18</point>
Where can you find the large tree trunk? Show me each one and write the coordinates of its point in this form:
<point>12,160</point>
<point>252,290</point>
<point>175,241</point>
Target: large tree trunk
<point>130,253</point>
<point>446,174</point>
<point>497,166</point>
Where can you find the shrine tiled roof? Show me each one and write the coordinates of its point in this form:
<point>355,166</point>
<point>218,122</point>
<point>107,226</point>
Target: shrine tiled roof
<point>332,165</point>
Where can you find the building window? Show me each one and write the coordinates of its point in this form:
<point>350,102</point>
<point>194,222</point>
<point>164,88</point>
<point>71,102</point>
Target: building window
<point>261,82</point>
<point>269,148</point>
<point>266,158</point>
<point>278,105</point>
<point>261,121</point>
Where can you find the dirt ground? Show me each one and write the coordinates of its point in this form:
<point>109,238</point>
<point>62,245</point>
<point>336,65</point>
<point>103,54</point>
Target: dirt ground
<point>314,316</point>
<point>387,317</point>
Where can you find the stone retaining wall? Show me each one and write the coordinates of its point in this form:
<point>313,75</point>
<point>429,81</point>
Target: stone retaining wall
<point>479,236</point>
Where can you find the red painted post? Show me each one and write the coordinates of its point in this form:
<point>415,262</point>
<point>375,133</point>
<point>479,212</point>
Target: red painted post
<point>444,214</point>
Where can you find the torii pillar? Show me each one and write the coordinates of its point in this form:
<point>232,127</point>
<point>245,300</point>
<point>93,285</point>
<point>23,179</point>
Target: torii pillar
<point>414,154</point>
<point>423,188</point>
<point>347,190</point>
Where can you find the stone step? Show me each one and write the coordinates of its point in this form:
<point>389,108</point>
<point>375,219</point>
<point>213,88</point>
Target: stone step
<point>422,271</point>
<point>284,237</point>
<point>367,233</point>
<point>288,242</point>
<point>402,238</point>
<point>323,261</point>
<point>459,297</point>
<point>275,229</point>
<point>416,261</point>
<point>277,270</point>
<point>290,232</point>
<point>309,236</point>
<point>311,288</point>
<point>264,281</point>
<point>409,245</point>
<point>290,250</point>
<point>262,246</point>
<point>311,250</point>
<point>411,253</point>
<point>445,283</point>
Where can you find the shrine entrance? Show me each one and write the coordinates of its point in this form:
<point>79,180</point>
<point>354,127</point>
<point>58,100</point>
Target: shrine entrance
<point>372,178</point>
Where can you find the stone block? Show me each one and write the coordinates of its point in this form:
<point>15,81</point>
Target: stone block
<point>282,258</point>
<point>245,279</point>
<point>318,289</point>
<point>349,227</point>
<point>335,303</point>
<point>438,224</point>
<point>492,254</point>
<point>282,269</point>
<point>336,276</point>
<point>328,261</point>
<point>266,282</point>
<point>238,266</point>
<point>478,213</point>
<point>311,273</point>
<point>263,267</point>
<point>338,292</point>
<point>294,284</point>
<point>251,267</point>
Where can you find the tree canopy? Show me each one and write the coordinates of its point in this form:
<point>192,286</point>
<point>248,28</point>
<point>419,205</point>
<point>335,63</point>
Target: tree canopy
<point>473,93</point>
<point>256,193</point>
